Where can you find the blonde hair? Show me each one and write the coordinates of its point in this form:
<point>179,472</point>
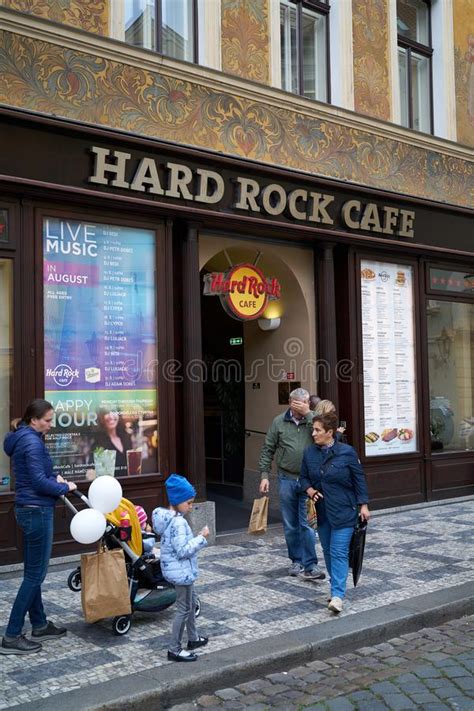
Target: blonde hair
<point>324,407</point>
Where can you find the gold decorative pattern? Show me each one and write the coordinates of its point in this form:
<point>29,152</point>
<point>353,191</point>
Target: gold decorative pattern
<point>245,39</point>
<point>39,76</point>
<point>464,69</point>
<point>92,16</point>
<point>371,57</point>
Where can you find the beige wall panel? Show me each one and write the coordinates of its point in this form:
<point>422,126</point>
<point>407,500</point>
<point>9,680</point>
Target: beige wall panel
<point>246,39</point>
<point>89,15</point>
<point>371,57</point>
<point>464,69</point>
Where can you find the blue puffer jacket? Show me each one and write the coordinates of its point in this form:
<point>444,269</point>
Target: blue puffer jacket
<point>178,547</point>
<point>35,482</point>
<point>337,473</point>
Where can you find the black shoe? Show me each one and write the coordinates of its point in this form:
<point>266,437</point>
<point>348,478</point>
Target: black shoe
<point>182,656</point>
<point>49,632</point>
<point>19,645</point>
<point>199,642</point>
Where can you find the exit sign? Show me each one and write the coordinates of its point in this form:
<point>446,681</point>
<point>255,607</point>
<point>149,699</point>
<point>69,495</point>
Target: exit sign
<point>236,341</point>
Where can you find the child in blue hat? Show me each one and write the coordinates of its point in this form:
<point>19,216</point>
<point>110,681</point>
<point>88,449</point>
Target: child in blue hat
<point>179,548</point>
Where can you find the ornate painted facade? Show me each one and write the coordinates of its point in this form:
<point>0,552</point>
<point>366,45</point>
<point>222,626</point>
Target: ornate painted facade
<point>245,39</point>
<point>464,69</point>
<point>52,79</point>
<point>92,16</point>
<point>371,58</point>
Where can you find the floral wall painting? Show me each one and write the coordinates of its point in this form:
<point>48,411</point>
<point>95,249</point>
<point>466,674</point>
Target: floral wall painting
<point>51,79</point>
<point>464,69</point>
<point>371,57</point>
<point>92,16</point>
<point>245,39</point>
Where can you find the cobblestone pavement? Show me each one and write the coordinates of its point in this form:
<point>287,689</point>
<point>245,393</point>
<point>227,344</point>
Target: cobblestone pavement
<point>431,669</point>
<point>246,596</point>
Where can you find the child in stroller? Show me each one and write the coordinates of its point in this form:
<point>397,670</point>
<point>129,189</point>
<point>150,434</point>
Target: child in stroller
<point>149,591</point>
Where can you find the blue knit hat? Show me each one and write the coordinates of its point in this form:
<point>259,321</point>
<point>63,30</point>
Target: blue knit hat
<point>179,489</point>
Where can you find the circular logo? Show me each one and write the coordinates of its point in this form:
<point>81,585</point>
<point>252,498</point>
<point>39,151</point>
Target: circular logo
<point>63,375</point>
<point>247,297</point>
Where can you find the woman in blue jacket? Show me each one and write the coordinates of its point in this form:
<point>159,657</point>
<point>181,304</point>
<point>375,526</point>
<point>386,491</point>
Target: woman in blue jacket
<point>331,475</point>
<point>36,492</point>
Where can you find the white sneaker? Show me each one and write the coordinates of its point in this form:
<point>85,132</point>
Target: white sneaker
<point>335,605</point>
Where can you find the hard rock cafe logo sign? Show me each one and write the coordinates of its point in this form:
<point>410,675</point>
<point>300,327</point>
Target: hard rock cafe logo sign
<point>243,290</point>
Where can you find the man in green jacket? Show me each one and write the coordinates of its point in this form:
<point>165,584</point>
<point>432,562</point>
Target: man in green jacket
<point>289,435</point>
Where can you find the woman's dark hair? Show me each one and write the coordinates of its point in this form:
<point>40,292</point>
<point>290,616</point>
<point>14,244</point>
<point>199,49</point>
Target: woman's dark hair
<point>35,410</point>
<point>329,421</point>
<point>121,430</point>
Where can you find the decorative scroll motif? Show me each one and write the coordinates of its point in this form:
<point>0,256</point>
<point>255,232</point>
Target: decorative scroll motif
<point>92,16</point>
<point>245,39</point>
<point>371,57</point>
<point>464,69</point>
<point>50,79</point>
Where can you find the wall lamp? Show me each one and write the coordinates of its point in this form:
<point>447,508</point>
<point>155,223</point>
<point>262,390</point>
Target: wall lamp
<point>268,324</point>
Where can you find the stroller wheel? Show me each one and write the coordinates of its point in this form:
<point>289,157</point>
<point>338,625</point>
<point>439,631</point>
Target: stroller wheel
<point>197,610</point>
<point>74,580</point>
<point>121,625</point>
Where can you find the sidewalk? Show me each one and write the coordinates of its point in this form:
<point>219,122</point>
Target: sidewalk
<point>419,571</point>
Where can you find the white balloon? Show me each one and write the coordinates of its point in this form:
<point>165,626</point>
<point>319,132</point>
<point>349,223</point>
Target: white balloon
<point>88,526</point>
<point>105,494</point>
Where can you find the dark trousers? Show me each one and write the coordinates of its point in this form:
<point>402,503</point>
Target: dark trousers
<point>37,526</point>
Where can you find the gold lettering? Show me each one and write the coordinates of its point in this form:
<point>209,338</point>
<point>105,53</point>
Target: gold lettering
<point>318,211</point>
<point>280,205</point>
<point>248,190</point>
<point>147,174</point>
<point>370,220</point>
<point>180,177</point>
<point>293,197</point>
<point>347,208</point>
<point>407,219</point>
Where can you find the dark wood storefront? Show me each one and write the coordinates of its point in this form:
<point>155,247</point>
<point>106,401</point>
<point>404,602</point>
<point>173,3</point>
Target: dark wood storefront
<point>45,169</point>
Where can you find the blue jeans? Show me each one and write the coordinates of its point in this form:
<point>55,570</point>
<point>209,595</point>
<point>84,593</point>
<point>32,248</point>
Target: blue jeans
<point>335,543</point>
<point>299,535</point>
<point>37,526</point>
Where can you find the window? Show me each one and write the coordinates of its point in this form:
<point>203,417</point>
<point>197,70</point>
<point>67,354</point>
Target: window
<point>167,26</point>
<point>414,64</point>
<point>100,347</point>
<point>304,48</point>
<point>6,361</point>
<point>451,373</point>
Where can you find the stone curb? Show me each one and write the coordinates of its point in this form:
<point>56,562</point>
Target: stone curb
<point>165,686</point>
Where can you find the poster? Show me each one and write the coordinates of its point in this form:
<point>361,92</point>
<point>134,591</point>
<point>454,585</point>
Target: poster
<point>388,345</point>
<point>100,348</point>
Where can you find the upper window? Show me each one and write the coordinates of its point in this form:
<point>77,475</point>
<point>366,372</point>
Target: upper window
<point>167,26</point>
<point>414,64</point>
<point>304,48</point>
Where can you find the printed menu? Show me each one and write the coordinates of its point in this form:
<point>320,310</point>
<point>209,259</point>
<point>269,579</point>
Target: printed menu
<point>388,345</point>
<point>100,347</point>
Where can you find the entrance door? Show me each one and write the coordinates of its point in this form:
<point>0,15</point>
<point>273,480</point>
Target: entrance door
<point>224,399</point>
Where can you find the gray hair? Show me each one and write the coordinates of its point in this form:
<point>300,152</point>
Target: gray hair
<point>299,394</point>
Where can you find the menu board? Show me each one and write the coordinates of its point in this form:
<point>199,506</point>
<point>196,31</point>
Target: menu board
<point>100,351</point>
<point>388,344</point>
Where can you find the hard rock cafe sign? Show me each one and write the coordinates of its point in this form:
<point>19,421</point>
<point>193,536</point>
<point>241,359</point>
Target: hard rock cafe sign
<point>243,289</point>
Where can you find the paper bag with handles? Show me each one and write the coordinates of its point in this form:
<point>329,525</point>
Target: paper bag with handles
<point>105,591</point>
<point>259,515</point>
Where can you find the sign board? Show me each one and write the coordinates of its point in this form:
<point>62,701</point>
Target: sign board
<point>243,290</point>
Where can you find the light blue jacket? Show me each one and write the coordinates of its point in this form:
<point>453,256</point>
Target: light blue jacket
<point>178,547</point>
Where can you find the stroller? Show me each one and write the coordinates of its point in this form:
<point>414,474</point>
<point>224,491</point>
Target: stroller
<point>149,591</point>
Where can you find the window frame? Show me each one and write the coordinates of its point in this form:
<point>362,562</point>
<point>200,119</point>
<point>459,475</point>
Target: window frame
<point>425,51</point>
<point>159,30</point>
<point>322,8</point>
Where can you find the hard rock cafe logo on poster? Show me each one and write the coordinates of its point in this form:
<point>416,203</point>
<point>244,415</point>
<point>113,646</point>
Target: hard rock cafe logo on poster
<point>243,290</point>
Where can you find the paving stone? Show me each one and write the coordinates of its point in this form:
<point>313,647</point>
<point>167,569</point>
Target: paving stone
<point>207,700</point>
<point>339,704</point>
<point>228,694</point>
<point>466,683</point>
<point>398,701</point>
<point>447,691</point>
<point>427,672</point>
<point>423,698</point>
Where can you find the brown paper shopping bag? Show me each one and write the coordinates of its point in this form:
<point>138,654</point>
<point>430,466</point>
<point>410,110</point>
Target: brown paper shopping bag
<point>311,513</point>
<point>259,515</point>
<point>105,591</point>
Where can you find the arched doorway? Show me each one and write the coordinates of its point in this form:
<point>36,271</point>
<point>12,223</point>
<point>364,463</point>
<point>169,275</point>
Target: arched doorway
<point>249,371</point>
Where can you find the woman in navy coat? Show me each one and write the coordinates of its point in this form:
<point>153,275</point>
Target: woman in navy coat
<point>37,489</point>
<point>331,475</point>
